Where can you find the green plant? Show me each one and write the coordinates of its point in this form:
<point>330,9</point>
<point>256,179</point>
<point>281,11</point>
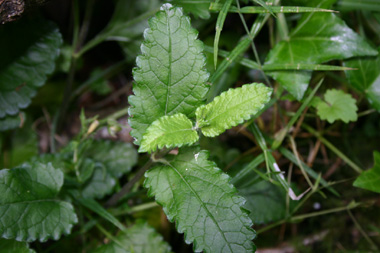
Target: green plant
<point>291,109</point>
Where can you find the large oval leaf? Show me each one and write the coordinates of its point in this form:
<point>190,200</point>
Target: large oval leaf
<point>170,77</point>
<point>34,47</point>
<point>29,209</point>
<point>199,198</point>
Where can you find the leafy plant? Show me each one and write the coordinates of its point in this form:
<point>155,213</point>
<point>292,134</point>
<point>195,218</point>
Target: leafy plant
<point>134,130</point>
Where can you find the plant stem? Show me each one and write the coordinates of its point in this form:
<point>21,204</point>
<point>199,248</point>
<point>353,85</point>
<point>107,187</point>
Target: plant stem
<point>128,186</point>
<point>332,148</point>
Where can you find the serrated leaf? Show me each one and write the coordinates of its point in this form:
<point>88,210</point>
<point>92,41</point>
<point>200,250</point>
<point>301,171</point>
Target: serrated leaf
<point>232,108</point>
<point>199,8</point>
<point>318,38</point>
<point>199,198</point>
<point>169,131</point>
<point>29,209</point>
<point>337,106</point>
<point>366,78</point>
<point>13,246</point>
<point>118,157</point>
<point>11,122</point>
<point>139,238</point>
<point>100,184</point>
<point>170,77</point>
<point>34,48</point>
<point>370,179</point>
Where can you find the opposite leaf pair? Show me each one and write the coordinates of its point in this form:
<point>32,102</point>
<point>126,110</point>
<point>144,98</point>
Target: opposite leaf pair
<point>227,110</point>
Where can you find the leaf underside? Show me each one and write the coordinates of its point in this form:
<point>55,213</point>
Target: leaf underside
<point>370,179</point>
<point>232,108</point>
<point>29,209</point>
<point>338,106</point>
<point>199,198</point>
<point>170,77</point>
<point>139,238</point>
<point>35,47</point>
<point>169,131</point>
<point>318,38</point>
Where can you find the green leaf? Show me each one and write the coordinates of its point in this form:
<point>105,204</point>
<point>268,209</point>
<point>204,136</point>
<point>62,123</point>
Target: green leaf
<point>170,77</point>
<point>366,78</point>
<point>100,184</point>
<point>34,48</point>
<point>337,106</point>
<point>365,5</point>
<point>139,238</point>
<point>199,8</point>
<point>232,108</point>
<point>318,38</point>
<point>118,157</point>
<point>29,209</point>
<point>370,179</point>
<point>13,246</point>
<point>169,131</point>
<point>11,122</point>
<point>199,198</point>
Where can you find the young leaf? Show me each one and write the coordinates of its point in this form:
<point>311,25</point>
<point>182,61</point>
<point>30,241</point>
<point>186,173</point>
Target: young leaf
<point>370,179</point>
<point>169,131</point>
<point>318,38</point>
<point>199,198</point>
<point>232,108</point>
<point>170,77</point>
<point>139,238</point>
<point>117,157</point>
<point>338,106</point>
<point>366,78</point>
<point>34,48</point>
<point>14,246</point>
<point>29,209</point>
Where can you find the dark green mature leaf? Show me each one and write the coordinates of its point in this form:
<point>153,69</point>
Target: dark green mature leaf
<point>100,184</point>
<point>13,246</point>
<point>199,198</point>
<point>169,131</point>
<point>11,122</point>
<point>318,38</point>
<point>170,77</point>
<point>34,48</point>
<point>370,179</point>
<point>199,8</point>
<point>117,157</point>
<point>29,209</point>
<point>231,108</point>
<point>366,78</point>
<point>139,238</point>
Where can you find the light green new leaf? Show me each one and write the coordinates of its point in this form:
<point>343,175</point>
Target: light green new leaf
<point>318,38</point>
<point>13,246</point>
<point>232,108</point>
<point>337,106</point>
<point>29,209</point>
<point>199,8</point>
<point>199,198</point>
<point>118,157</point>
<point>169,131</point>
<point>170,77</point>
<point>139,238</point>
<point>366,78</point>
<point>34,48</point>
<point>370,179</point>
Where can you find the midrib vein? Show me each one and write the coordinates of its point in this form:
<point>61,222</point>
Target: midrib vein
<point>170,63</point>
